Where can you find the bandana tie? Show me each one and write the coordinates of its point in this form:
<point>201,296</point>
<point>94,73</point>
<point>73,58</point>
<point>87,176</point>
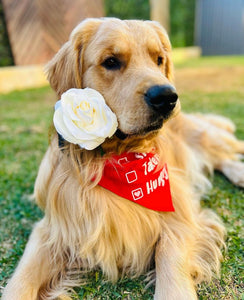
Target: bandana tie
<point>139,178</point>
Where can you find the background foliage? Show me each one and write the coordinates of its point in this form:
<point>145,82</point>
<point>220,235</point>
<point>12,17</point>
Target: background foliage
<point>182,14</point>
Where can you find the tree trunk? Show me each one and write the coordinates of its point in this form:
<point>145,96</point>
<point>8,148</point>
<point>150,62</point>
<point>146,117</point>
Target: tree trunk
<point>160,12</point>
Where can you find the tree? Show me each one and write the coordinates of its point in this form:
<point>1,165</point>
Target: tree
<point>160,12</point>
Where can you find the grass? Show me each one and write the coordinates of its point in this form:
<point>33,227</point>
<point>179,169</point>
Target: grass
<point>25,118</point>
<point>212,61</point>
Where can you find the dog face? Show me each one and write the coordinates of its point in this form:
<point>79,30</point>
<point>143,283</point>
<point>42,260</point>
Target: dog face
<point>128,62</point>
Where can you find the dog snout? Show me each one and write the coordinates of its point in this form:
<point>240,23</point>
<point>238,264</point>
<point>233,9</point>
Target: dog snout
<point>161,98</point>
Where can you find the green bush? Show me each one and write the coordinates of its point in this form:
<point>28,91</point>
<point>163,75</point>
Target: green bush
<point>128,9</point>
<point>182,15</point>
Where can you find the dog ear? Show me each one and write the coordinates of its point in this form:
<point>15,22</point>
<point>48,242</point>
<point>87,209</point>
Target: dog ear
<point>64,71</point>
<point>162,33</point>
<point>61,70</point>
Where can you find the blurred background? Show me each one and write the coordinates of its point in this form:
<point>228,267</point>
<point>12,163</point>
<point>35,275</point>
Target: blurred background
<point>32,31</point>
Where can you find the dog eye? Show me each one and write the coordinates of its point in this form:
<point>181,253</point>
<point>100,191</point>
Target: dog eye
<point>112,63</point>
<point>160,60</point>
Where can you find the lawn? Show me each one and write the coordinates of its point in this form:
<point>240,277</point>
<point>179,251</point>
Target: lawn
<point>213,85</point>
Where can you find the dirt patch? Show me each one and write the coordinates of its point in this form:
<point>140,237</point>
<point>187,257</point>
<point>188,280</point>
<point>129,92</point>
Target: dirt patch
<point>210,79</point>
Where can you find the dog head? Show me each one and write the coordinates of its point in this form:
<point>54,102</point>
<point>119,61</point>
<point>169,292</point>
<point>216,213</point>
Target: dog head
<point>128,62</point>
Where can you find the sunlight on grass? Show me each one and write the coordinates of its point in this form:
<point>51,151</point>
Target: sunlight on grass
<point>212,61</point>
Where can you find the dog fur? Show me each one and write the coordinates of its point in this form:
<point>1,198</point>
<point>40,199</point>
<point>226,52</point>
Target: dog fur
<point>87,227</point>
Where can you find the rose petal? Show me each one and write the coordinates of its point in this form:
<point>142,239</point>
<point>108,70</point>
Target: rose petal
<point>61,128</point>
<point>91,93</point>
<point>90,145</point>
<point>78,133</point>
<point>69,110</point>
<point>57,105</point>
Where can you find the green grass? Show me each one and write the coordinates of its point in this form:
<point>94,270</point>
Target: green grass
<point>25,117</point>
<point>24,121</point>
<point>212,61</point>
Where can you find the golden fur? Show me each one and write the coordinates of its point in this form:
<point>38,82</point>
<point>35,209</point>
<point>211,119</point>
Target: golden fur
<point>87,227</point>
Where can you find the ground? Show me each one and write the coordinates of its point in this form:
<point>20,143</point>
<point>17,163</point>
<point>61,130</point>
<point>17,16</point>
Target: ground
<point>213,85</point>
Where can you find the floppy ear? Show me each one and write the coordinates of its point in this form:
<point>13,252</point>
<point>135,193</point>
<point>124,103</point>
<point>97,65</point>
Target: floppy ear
<point>64,71</point>
<point>62,68</point>
<point>162,33</point>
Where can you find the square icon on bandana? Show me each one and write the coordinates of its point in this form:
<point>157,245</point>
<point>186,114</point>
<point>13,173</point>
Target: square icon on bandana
<point>122,160</point>
<point>131,176</point>
<point>137,194</point>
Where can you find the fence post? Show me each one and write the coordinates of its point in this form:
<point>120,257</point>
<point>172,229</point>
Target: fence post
<point>160,12</point>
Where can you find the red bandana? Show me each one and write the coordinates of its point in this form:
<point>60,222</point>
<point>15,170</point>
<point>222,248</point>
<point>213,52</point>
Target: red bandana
<point>138,178</point>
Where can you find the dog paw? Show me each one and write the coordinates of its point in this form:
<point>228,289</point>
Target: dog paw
<point>218,121</point>
<point>234,171</point>
<point>241,148</point>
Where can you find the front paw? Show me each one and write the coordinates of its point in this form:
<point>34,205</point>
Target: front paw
<point>234,171</point>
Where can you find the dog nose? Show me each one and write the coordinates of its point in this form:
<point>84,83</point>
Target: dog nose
<point>162,98</point>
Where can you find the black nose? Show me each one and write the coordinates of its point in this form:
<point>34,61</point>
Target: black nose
<point>162,98</point>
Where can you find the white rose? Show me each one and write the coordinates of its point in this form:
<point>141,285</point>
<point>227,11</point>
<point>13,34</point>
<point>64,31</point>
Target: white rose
<point>82,117</point>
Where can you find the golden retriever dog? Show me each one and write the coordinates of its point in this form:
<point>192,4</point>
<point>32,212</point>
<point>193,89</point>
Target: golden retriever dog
<point>86,226</point>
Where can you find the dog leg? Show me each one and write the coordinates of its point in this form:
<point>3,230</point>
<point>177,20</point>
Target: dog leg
<point>240,148</point>
<point>34,270</point>
<point>217,146</point>
<point>218,121</point>
<point>173,281</point>
<point>234,171</point>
